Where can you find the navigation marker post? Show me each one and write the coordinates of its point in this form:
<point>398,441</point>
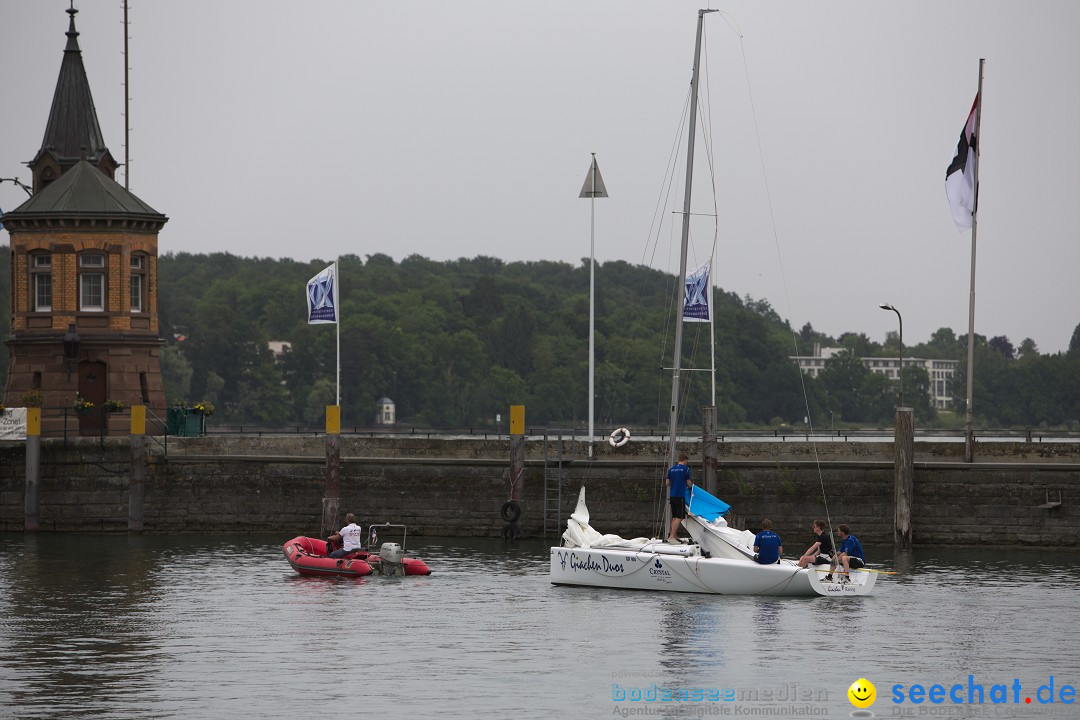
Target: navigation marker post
<point>592,189</point>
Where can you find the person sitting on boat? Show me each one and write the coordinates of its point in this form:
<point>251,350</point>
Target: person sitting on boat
<point>351,537</point>
<point>851,553</point>
<point>767,544</point>
<point>679,483</point>
<point>821,552</point>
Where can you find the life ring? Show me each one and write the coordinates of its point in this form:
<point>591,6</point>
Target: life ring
<point>511,532</point>
<point>619,437</point>
<point>510,511</point>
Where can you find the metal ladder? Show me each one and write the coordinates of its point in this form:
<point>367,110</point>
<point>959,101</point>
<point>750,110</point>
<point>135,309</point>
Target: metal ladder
<point>553,482</point>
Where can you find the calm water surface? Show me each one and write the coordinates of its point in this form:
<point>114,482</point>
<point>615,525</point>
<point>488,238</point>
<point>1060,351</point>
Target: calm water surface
<point>182,626</point>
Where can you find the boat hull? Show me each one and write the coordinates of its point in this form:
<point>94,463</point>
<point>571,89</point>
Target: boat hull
<point>629,570</point>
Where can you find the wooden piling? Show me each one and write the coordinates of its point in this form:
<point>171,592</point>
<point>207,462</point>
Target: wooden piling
<point>904,461</point>
<point>137,482</point>
<point>517,470</point>
<point>708,448</point>
<point>331,502</point>
<point>33,468</point>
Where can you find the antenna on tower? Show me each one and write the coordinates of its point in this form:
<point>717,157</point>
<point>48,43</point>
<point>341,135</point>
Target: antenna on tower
<point>127,99</point>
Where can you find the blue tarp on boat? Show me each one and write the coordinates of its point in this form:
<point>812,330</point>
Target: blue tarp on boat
<point>705,506</point>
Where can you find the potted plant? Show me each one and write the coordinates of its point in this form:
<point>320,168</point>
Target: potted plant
<point>114,406</point>
<point>33,398</point>
<point>82,405</point>
<point>204,407</point>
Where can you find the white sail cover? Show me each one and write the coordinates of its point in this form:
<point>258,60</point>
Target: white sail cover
<point>579,534</point>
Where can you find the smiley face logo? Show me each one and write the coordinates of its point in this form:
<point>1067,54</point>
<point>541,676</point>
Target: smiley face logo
<point>862,693</point>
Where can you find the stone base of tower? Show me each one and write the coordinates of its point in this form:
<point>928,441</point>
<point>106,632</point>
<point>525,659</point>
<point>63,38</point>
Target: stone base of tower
<point>125,370</point>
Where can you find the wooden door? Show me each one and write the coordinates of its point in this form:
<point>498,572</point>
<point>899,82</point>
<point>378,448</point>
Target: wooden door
<point>93,387</point>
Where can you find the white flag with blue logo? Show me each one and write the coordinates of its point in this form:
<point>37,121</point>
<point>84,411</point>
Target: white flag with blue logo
<point>698,298</point>
<point>322,297</point>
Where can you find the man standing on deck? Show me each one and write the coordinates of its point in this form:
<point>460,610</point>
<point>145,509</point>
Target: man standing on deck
<point>678,480</point>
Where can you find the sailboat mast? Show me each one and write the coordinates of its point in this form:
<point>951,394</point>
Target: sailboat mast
<point>680,289</point>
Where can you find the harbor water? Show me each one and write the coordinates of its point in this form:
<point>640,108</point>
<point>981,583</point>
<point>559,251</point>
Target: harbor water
<point>189,626</point>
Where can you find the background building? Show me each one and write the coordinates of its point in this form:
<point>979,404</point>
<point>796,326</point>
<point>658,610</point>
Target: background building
<point>941,372</point>
<point>387,414</point>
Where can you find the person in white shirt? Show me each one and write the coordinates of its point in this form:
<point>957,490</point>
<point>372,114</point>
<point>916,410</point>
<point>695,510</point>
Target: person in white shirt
<point>351,536</point>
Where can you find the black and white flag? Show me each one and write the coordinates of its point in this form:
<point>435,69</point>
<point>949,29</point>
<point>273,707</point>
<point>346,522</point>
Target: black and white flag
<point>960,175</point>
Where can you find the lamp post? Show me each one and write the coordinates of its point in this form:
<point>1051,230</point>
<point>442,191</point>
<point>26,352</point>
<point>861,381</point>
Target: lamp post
<point>887,306</point>
<point>71,347</point>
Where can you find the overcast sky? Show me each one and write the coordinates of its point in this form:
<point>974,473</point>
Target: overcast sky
<point>456,129</point>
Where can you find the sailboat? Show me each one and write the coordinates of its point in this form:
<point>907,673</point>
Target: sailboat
<point>720,560</point>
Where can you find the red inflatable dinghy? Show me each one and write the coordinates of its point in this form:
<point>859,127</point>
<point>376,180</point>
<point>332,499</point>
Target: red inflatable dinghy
<point>308,556</point>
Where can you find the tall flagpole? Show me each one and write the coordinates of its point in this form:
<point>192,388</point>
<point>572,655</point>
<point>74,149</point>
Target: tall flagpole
<point>969,437</point>
<point>337,313</point>
<point>127,108</point>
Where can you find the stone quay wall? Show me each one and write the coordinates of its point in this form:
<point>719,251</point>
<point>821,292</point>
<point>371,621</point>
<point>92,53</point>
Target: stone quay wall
<point>456,487</point>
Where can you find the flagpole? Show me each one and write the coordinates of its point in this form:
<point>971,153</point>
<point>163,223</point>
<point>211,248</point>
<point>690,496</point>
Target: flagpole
<point>969,437</point>
<point>337,312</point>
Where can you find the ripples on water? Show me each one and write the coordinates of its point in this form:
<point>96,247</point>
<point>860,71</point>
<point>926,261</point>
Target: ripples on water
<point>182,626</point>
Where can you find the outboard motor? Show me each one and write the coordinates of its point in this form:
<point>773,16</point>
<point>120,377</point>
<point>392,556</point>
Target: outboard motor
<point>390,556</point>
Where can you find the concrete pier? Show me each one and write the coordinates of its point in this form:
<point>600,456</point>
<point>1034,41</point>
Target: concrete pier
<point>456,486</point>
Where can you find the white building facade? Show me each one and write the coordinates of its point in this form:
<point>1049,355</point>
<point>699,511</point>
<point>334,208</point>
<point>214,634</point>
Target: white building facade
<point>941,372</point>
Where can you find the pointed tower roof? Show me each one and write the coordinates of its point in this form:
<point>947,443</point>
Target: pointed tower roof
<point>84,192</point>
<point>73,131</point>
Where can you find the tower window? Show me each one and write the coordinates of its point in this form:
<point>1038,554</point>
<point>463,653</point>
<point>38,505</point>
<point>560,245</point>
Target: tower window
<point>136,294</point>
<point>42,292</point>
<point>137,283</point>
<point>41,282</point>
<point>92,282</point>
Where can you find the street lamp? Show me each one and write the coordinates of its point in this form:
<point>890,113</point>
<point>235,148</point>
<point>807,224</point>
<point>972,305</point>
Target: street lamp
<point>71,347</point>
<point>887,306</point>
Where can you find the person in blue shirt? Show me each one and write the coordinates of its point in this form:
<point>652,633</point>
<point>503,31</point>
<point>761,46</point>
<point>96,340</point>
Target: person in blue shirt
<point>767,544</point>
<point>679,484</point>
<point>851,552</point>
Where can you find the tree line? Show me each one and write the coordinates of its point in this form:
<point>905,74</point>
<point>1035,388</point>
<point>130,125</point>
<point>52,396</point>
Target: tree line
<point>455,343</point>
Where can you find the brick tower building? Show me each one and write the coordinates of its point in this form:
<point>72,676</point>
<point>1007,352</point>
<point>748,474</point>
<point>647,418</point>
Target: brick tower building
<point>84,317</point>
